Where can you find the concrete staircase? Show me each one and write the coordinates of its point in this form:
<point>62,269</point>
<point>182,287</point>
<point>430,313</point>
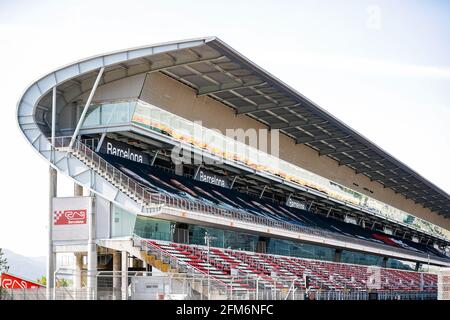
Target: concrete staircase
<point>159,260</point>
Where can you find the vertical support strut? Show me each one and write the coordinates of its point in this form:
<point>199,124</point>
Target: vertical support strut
<point>52,192</point>
<point>197,171</point>
<point>262,192</point>
<point>116,275</point>
<point>92,253</point>
<point>124,261</point>
<point>86,107</point>
<point>51,255</point>
<point>232,183</point>
<point>154,157</point>
<point>100,142</point>
<point>53,115</point>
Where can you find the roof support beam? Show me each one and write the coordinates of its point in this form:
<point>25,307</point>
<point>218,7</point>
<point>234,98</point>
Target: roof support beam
<point>203,75</point>
<point>233,182</point>
<point>177,64</point>
<point>390,185</point>
<point>297,123</point>
<point>427,203</point>
<point>226,87</point>
<point>86,107</point>
<point>318,138</point>
<point>375,169</point>
<point>265,107</point>
<point>366,160</point>
<point>339,150</point>
<point>398,178</point>
<point>388,176</point>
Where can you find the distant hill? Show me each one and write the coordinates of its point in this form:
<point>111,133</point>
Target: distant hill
<point>31,268</point>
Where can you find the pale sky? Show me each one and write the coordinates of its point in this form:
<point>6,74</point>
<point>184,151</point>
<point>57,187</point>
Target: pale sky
<point>383,67</point>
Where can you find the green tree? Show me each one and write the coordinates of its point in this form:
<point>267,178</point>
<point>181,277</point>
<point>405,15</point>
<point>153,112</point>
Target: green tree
<point>3,267</point>
<point>62,283</point>
<point>3,262</point>
<point>42,280</point>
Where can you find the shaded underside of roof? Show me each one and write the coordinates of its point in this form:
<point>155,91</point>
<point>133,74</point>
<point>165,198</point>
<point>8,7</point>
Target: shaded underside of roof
<point>213,69</point>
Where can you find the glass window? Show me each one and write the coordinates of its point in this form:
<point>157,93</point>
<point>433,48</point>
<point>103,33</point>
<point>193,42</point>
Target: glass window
<point>149,228</point>
<point>300,250</point>
<point>400,264</point>
<point>122,222</point>
<point>109,113</point>
<point>92,116</point>
<point>361,258</point>
<point>119,112</point>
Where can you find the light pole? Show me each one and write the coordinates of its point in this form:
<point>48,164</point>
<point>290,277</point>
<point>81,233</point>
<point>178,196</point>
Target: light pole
<point>208,239</point>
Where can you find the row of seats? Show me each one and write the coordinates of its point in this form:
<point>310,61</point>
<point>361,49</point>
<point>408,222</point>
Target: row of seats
<point>190,189</point>
<point>240,269</point>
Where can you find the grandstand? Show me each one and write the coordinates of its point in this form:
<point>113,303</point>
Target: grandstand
<point>163,192</point>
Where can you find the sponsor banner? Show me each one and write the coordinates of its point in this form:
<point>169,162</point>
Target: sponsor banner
<point>123,150</point>
<point>70,218</point>
<point>9,281</point>
<point>209,177</point>
<point>295,204</point>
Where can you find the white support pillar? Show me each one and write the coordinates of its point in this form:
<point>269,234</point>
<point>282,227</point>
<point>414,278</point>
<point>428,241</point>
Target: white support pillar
<point>124,275</point>
<point>53,190</point>
<point>78,271</point>
<point>77,190</point>
<point>144,265</point>
<point>53,115</point>
<point>86,107</point>
<point>116,275</point>
<point>92,256</point>
<point>51,256</point>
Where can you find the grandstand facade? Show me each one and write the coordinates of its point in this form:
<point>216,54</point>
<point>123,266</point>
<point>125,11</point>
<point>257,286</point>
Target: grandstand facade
<point>189,159</point>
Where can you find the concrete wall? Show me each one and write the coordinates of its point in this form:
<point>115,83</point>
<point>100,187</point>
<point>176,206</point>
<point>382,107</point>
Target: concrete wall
<point>177,98</point>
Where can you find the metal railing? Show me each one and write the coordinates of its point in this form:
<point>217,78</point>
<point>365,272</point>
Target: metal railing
<point>153,200</point>
<point>179,286</point>
<point>275,281</point>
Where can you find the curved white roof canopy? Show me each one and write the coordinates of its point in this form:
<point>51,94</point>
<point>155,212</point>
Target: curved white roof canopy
<point>212,68</point>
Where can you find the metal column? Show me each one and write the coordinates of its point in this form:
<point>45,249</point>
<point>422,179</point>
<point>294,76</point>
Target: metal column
<point>124,275</point>
<point>78,274</point>
<point>53,190</point>
<point>53,115</point>
<point>116,275</point>
<point>92,256</point>
<point>51,257</point>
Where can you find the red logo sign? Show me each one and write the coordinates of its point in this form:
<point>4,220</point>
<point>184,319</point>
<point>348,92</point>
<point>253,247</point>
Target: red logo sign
<point>9,281</point>
<point>70,217</point>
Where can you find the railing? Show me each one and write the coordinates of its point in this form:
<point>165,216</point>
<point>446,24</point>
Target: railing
<point>217,284</point>
<point>154,118</point>
<point>287,286</point>
<point>181,266</point>
<point>153,200</point>
<point>178,287</point>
